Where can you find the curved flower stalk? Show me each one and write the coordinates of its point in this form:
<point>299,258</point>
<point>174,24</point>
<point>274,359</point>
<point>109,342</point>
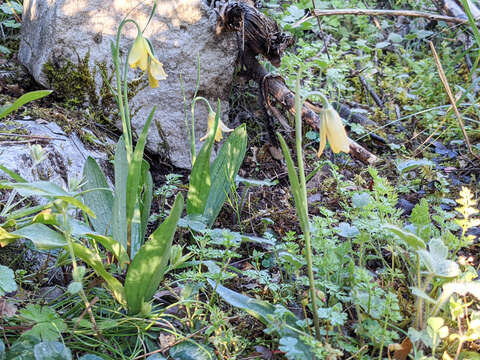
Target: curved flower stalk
<point>140,55</point>
<point>220,126</point>
<point>331,127</point>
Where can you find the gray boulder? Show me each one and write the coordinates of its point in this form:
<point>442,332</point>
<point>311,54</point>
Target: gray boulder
<point>62,156</point>
<point>59,30</point>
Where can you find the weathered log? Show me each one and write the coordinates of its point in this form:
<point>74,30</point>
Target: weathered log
<point>455,8</point>
<point>261,35</point>
<point>258,34</point>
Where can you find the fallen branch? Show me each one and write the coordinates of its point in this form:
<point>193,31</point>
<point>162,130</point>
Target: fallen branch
<point>258,34</point>
<point>377,12</point>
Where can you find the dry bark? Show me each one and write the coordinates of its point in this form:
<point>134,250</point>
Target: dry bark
<point>257,33</point>
<point>275,87</point>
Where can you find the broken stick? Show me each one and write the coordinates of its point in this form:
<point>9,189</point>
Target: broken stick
<point>378,12</point>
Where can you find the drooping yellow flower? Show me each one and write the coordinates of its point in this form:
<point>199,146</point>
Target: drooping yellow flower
<point>221,128</point>
<point>331,128</point>
<point>155,72</point>
<point>139,53</point>
<point>141,56</point>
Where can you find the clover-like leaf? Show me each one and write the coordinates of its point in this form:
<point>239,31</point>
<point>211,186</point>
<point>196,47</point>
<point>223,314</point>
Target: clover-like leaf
<point>361,200</point>
<point>48,325</point>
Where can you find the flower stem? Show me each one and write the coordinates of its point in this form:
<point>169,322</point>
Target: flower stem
<point>303,203</point>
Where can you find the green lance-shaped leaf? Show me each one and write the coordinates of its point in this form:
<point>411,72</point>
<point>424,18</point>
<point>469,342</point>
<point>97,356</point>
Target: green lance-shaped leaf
<point>12,174</point>
<point>119,214</point>
<point>146,197</point>
<point>22,100</point>
<point>410,238</point>
<point>200,179</point>
<point>42,236</point>
<point>113,246</point>
<point>100,198</point>
<point>265,312</point>
<point>294,184</point>
<point>95,262</point>
<point>259,309</point>
<point>224,170</point>
<point>142,210</point>
<point>47,190</point>
<point>147,268</point>
<point>135,168</point>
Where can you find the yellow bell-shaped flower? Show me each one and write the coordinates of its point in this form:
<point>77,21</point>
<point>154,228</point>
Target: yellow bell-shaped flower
<point>142,56</point>
<point>331,129</point>
<point>155,72</point>
<point>221,128</point>
<point>138,56</point>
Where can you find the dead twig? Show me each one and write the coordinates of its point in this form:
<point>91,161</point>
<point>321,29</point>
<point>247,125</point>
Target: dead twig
<point>443,78</point>
<point>88,309</point>
<point>33,137</point>
<point>165,348</point>
<point>19,142</point>
<point>371,91</point>
<point>455,9</point>
<point>378,12</point>
<point>325,42</point>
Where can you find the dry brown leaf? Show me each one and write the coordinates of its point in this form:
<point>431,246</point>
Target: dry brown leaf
<point>401,351</point>
<point>166,340</point>
<point>276,153</point>
<point>6,309</point>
